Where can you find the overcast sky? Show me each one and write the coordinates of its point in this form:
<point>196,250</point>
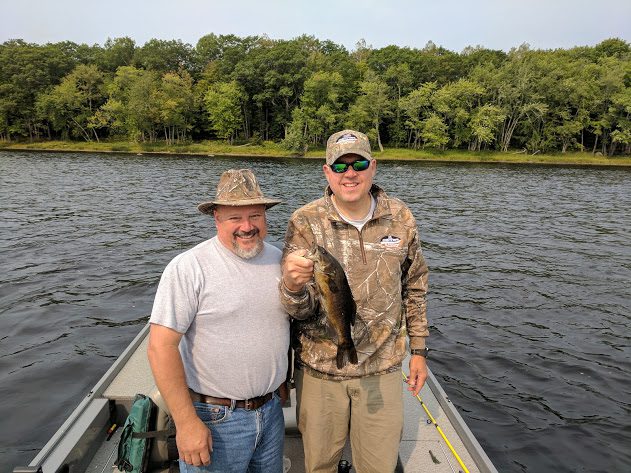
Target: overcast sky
<point>453,24</point>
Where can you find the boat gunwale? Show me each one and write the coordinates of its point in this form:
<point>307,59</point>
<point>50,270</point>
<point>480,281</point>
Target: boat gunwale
<point>481,459</point>
<point>98,389</point>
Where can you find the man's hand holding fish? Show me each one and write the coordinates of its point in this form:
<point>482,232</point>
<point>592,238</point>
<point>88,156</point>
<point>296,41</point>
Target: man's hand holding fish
<point>298,270</point>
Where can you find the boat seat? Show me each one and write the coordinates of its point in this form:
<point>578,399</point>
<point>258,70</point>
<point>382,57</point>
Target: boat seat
<point>134,378</point>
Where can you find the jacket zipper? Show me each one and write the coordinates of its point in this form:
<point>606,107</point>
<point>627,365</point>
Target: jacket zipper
<point>361,244</point>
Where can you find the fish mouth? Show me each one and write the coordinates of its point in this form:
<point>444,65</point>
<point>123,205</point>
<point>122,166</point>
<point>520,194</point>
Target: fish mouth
<point>312,254</point>
<point>315,254</point>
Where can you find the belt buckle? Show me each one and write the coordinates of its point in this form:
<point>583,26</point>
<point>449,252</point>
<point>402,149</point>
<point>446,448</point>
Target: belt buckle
<point>246,404</point>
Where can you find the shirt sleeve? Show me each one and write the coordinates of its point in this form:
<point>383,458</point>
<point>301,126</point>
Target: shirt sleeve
<point>415,284</point>
<point>177,296</point>
<point>303,304</point>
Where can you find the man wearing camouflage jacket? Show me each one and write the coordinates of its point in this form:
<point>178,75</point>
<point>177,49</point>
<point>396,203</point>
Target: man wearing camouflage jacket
<point>375,239</point>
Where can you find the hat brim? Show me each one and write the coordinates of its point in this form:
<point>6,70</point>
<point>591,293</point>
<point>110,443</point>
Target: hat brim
<point>208,207</point>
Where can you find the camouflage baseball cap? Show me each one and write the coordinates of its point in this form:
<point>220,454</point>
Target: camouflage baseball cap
<point>347,142</point>
<point>237,187</point>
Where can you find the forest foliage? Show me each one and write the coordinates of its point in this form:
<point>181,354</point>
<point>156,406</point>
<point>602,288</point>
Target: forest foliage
<point>299,91</point>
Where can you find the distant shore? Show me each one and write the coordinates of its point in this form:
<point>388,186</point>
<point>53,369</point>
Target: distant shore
<point>274,150</point>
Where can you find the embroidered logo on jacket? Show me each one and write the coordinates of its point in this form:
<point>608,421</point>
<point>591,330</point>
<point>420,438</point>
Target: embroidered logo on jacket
<point>391,241</point>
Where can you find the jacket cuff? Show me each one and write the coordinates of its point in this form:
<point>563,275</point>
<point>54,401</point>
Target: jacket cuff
<point>417,343</point>
<point>294,296</point>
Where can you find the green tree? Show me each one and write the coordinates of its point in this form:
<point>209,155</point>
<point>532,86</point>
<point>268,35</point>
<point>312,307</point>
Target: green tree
<point>275,91</point>
<point>223,102</point>
<point>165,56</point>
<point>362,54</point>
<point>613,79</point>
<point>319,114</point>
<point>485,121</point>
<point>70,105</point>
<point>613,47</point>
<point>226,49</point>
<point>218,56</point>
<point>474,56</point>
<point>117,52</point>
<point>133,107</point>
<point>399,79</point>
<point>371,107</point>
<point>176,100</point>
<point>455,103</point>
<point>416,107</point>
<point>514,87</point>
<point>27,70</point>
<point>621,109</point>
<point>434,132</point>
<point>570,88</point>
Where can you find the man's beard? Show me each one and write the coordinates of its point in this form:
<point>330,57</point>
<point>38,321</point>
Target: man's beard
<point>247,253</point>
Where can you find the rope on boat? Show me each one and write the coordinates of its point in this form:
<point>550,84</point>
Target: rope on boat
<point>405,378</point>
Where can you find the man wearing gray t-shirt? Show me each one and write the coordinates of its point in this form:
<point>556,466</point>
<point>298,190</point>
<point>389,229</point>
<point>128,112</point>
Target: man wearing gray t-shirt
<point>219,339</point>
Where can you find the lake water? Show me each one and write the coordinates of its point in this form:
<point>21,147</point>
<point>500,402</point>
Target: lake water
<point>529,304</point>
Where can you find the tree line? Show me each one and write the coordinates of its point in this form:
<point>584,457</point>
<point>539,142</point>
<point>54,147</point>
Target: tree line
<point>299,91</point>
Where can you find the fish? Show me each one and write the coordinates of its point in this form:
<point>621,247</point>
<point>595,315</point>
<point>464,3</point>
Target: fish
<point>337,300</point>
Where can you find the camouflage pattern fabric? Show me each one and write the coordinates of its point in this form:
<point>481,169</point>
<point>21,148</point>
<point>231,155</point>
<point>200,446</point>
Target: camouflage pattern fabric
<point>388,277</point>
<point>237,187</point>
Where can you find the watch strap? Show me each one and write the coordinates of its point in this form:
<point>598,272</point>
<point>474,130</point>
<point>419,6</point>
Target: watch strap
<point>422,352</point>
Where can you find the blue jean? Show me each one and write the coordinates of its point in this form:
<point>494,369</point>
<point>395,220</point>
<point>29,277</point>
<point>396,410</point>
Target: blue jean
<point>243,441</point>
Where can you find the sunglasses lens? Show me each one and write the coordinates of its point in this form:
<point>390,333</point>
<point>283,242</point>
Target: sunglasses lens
<point>359,165</point>
<point>339,167</point>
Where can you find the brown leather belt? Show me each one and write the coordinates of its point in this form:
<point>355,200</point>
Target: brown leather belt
<point>247,404</point>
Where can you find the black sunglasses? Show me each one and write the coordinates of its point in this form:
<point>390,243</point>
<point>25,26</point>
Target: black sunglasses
<point>359,165</point>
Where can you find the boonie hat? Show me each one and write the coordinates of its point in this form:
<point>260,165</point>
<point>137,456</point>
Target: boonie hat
<point>237,187</point>
<point>347,142</point>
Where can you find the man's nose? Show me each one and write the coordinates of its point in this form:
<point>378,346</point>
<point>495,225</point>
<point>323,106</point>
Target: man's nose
<point>246,225</point>
<point>351,171</point>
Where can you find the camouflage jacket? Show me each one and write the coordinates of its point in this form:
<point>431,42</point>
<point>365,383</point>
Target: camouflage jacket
<point>387,274</point>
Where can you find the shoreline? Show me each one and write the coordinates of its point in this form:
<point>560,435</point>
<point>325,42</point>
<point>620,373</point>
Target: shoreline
<point>274,151</point>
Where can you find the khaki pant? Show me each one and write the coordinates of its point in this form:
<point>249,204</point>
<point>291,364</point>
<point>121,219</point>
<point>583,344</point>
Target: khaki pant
<point>371,406</point>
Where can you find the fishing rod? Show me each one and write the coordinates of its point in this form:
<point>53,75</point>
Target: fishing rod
<point>405,378</point>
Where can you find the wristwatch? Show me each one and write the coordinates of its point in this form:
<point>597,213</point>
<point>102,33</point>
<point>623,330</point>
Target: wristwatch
<point>423,352</point>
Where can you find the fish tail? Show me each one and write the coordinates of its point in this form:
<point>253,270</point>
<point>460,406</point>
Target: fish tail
<point>346,353</point>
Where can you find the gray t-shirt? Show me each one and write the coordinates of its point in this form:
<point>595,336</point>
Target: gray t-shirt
<point>236,333</point>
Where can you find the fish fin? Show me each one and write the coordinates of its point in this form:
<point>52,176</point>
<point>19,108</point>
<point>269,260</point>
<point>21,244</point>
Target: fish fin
<point>353,313</point>
<point>350,310</point>
<point>353,355</point>
<point>346,353</point>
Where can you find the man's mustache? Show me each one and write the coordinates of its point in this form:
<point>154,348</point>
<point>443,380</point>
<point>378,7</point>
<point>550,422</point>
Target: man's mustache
<point>253,232</point>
